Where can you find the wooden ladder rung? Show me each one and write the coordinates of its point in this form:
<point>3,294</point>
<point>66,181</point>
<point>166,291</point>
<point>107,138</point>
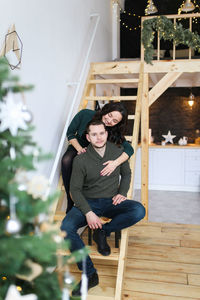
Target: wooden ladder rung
<point>107,81</point>
<point>107,98</point>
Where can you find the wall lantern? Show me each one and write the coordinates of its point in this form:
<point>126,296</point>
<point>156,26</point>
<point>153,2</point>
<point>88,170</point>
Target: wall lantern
<point>191,100</point>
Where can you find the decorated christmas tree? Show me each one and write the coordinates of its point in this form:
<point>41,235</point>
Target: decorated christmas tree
<point>30,264</point>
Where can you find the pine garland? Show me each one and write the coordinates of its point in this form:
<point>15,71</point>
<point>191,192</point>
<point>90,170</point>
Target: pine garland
<point>167,31</point>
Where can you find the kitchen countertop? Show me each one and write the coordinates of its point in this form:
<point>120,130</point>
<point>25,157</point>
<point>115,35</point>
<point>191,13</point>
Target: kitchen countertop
<point>196,146</point>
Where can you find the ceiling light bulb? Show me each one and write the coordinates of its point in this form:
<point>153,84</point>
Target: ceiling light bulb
<point>188,6</point>
<point>151,8</point>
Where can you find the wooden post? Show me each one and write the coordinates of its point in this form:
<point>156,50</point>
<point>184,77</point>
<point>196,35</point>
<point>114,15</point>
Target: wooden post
<point>145,143</point>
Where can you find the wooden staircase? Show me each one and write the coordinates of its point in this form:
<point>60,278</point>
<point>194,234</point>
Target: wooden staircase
<point>116,75</point>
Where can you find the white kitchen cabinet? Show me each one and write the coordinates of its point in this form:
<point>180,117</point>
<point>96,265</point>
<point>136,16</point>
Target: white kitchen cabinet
<point>172,168</point>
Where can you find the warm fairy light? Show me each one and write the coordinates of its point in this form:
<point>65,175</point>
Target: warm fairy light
<point>8,217</point>
<point>19,288</point>
<point>4,278</point>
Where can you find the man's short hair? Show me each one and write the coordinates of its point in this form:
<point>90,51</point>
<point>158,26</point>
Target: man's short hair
<point>94,122</point>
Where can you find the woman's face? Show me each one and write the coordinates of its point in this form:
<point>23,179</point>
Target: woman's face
<point>112,118</point>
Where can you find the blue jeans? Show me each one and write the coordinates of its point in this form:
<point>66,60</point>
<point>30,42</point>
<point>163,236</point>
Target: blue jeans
<point>123,215</point>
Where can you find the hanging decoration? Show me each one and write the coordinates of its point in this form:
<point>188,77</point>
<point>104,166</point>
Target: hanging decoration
<point>167,31</point>
<point>188,6</point>
<point>13,224</point>
<point>12,115</point>
<point>151,8</point>
<point>195,4</point>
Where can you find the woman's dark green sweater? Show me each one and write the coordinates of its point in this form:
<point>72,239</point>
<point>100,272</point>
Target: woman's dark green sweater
<point>76,130</point>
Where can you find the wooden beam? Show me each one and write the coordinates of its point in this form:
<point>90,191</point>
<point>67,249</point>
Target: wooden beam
<point>121,264</point>
<point>136,127</point>
<point>108,81</point>
<point>145,143</point>
<point>107,98</point>
<point>184,16</point>
<point>118,67</point>
<point>165,66</point>
<point>162,86</point>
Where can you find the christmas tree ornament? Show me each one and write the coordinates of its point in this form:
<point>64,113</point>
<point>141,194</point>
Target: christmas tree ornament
<point>37,187</point>
<point>13,294</point>
<point>27,115</point>
<point>11,115</point>
<point>22,187</point>
<point>12,153</point>
<point>57,238</point>
<point>21,177</point>
<point>13,225</point>
<point>36,270</point>
<point>68,279</point>
<point>4,143</point>
<point>169,137</point>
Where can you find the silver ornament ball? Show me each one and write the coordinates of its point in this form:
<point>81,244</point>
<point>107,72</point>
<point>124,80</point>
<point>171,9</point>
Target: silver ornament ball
<point>68,279</point>
<point>27,115</point>
<point>13,226</point>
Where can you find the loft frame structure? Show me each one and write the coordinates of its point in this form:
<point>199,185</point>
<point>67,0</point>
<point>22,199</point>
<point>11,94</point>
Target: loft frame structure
<point>171,71</point>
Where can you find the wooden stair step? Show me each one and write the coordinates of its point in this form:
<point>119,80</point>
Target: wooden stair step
<point>114,255</point>
<point>94,254</point>
<point>168,289</point>
<point>107,98</point>
<point>96,297</point>
<point>108,81</point>
<point>133,295</point>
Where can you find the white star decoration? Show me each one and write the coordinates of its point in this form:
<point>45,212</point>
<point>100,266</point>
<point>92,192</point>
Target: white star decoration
<point>13,294</point>
<point>11,115</point>
<point>169,137</point>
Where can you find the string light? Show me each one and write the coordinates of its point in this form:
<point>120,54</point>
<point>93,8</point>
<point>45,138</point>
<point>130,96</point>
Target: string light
<point>19,288</point>
<point>4,278</point>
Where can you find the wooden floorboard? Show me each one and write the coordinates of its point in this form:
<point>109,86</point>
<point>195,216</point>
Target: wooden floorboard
<point>163,264</point>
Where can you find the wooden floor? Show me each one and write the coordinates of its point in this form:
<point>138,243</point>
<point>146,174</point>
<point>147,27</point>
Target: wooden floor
<point>163,264</point>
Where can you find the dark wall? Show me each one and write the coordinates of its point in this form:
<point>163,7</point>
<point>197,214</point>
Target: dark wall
<point>171,112</point>
<point>130,18</point>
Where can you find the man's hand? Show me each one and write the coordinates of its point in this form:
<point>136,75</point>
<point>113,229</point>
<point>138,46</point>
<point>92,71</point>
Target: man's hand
<point>94,222</point>
<point>110,167</point>
<point>117,199</point>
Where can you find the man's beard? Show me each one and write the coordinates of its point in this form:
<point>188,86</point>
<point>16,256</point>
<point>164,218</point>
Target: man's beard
<point>99,147</point>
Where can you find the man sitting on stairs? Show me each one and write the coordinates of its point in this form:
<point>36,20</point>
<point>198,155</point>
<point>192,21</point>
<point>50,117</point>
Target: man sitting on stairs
<point>95,196</point>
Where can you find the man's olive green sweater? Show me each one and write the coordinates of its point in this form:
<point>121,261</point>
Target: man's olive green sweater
<point>86,181</point>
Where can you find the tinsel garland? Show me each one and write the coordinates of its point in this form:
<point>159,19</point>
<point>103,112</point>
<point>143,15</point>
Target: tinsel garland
<point>167,31</point>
